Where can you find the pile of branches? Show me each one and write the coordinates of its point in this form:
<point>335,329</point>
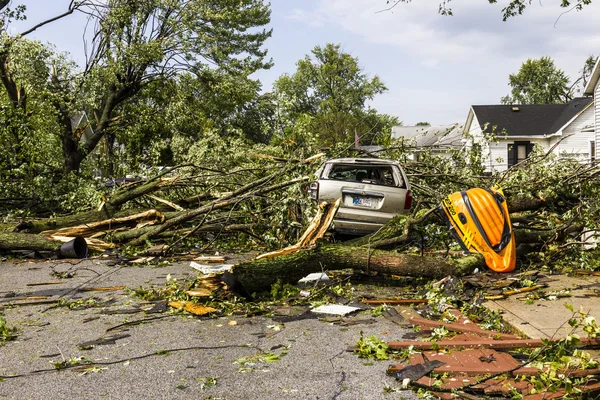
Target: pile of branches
<point>185,205</point>
<point>553,203</point>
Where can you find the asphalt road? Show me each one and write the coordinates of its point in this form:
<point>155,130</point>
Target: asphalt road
<point>170,356</point>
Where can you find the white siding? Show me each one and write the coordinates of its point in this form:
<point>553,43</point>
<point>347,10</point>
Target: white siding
<point>577,140</point>
<point>498,160</point>
<point>476,137</point>
<point>597,107</point>
<point>498,156</point>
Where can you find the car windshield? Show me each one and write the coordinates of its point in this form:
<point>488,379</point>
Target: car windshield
<point>377,174</point>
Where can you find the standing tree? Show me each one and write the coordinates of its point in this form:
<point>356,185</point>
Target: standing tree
<point>136,43</point>
<point>586,72</point>
<point>538,82</point>
<point>328,92</point>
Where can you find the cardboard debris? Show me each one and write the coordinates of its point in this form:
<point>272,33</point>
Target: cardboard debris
<point>335,309</point>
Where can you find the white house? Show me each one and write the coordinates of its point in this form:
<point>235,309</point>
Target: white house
<point>439,139</point>
<point>593,89</point>
<point>507,133</point>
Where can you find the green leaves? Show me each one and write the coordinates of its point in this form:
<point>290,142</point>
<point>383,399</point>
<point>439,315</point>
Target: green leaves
<point>538,82</point>
<point>6,333</point>
<point>329,90</point>
<point>371,347</point>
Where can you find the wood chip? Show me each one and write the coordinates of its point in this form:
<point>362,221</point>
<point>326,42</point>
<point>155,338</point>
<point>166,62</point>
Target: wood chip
<point>210,259</point>
<point>102,289</point>
<point>193,308</point>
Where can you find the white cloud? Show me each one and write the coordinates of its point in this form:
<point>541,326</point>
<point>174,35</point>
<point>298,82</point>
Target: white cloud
<point>476,31</point>
<point>445,64</point>
<point>310,18</point>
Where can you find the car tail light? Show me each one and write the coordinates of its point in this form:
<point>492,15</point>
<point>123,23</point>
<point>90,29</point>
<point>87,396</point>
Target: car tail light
<point>408,200</point>
<point>313,190</point>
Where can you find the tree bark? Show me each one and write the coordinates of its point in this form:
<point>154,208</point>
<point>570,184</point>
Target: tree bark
<point>225,201</point>
<point>73,220</point>
<point>259,275</point>
<point>24,241</point>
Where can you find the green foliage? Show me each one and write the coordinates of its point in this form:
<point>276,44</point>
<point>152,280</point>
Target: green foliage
<point>207,382</point>
<point>280,291</point>
<point>249,363</point>
<point>328,94</point>
<point>6,333</point>
<point>539,82</point>
<point>71,362</point>
<point>556,358</point>
<point>378,311</point>
<point>371,347</point>
<point>586,72</point>
<point>513,9</point>
<point>137,48</point>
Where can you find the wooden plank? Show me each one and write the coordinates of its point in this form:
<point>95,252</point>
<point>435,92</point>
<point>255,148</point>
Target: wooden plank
<point>484,344</point>
<point>393,301</point>
<point>102,289</point>
<point>462,328</point>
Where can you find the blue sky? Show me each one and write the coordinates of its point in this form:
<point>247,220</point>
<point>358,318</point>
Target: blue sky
<point>434,66</point>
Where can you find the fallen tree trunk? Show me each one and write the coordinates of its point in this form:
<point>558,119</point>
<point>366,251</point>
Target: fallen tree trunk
<point>23,241</point>
<point>38,226</point>
<point>259,275</point>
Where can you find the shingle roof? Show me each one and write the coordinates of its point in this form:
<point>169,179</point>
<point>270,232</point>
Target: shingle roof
<point>431,136</point>
<point>529,119</point>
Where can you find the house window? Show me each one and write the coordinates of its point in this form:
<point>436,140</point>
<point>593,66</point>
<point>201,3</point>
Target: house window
<point>518,151</point>
<point>592,152</point>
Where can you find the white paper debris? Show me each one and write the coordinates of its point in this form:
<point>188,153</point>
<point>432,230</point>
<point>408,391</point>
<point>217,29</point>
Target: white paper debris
<point>317,276</point>
<point>335,309</point>
<point>211,269</point>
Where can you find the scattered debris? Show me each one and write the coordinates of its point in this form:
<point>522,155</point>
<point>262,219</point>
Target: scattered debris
<point>416,371</point>
<point>393,301</point>
<point>315,277</point>
<point>103,341</point>
<point>102,289</point>
<point>193,308</point>
<point>335,309</point>
<point>210,259</point>
<point>211,269</point>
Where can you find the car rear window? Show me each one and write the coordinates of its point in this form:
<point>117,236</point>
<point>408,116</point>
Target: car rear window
<point>376,175</point>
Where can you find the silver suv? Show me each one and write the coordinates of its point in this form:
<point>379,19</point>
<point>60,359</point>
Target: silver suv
<point>373,191</point>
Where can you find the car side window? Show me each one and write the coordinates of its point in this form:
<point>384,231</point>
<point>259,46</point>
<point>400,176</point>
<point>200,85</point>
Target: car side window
<point>387,176</point>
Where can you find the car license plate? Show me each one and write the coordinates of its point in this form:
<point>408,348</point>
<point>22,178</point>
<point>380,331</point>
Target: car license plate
<point>362,201</point>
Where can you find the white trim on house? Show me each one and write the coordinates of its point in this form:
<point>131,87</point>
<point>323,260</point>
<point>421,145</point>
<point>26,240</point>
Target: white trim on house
<point>562,128</point>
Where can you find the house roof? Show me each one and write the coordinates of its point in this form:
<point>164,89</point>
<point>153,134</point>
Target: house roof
<point>591,85</point>
<point>447,136</point>
<point>529,119</point>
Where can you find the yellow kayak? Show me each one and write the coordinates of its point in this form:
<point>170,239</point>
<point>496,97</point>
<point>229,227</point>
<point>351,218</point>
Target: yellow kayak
<point>479,220</point>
